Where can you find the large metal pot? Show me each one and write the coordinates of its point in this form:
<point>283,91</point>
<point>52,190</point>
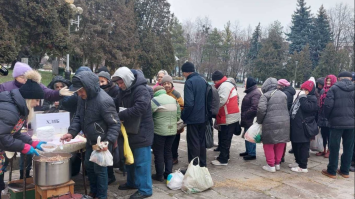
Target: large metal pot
<point>52,173</point>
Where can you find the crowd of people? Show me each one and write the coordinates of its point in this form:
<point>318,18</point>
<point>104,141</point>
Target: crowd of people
<point>155,117</point>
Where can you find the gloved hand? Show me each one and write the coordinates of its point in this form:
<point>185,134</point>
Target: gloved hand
<point>39,147</point>
<point>65,92</point>
<point>302,93</point>
<point>32,151</point>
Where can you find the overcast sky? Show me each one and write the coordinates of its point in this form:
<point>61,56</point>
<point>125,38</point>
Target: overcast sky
<point>245,11</point>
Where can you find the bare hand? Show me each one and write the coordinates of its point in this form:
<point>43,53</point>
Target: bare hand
<point>56,104</point>
<point>67,137</point>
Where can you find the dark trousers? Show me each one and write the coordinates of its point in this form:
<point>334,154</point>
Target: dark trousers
<point>348,148</point>
<point>110,173</point>
<point>196,142</point>
<point>225,140</point>
<point>175,147</point>
<point>325,135</point>
<point>162,154</point>
<point>219,139</point>
<point>301,152</point>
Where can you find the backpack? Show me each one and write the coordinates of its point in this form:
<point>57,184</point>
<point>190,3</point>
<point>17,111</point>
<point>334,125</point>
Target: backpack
<point>212,101</point>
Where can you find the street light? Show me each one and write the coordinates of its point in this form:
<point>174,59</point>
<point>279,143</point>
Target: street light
<point>294,81</point>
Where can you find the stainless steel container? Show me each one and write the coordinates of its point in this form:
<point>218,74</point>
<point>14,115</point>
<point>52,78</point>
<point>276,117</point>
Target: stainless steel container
<point>52,173</point>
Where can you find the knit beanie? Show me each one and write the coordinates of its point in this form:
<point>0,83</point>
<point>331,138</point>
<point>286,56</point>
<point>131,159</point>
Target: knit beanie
<point>345,74</point>
<point>250,82</point>
<point>103,68</point>
<point>158,88</point>
<point>188,67</point>
<point>283,82</point>
<point>105,75</point>
<point>217,75</point>
<point>31,89</point>
<point>308,85</point>
<point>167,78</point>
<point>20,69</point>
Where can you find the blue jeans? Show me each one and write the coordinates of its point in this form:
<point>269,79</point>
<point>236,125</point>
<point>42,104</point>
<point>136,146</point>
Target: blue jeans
<point>250,147</point>
<point>97,175</point>
<point>334,146</point>
<point>139,174</point>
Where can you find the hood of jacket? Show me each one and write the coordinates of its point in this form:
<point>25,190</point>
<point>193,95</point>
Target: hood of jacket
<point>81,69</point>
<point>139,79</point>
<point>126,75</point>
<point>289,89</point>
<point>269,85</point>
<point>345,85</point>
<point>15,97</point>
<point>90,82</point>
<point>58,79</point>
<point>159,92</point>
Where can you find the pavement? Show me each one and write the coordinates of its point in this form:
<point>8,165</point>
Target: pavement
<point>246,179</point>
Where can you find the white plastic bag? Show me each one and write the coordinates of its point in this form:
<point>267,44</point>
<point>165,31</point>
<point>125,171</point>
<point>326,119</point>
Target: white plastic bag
<point>196,179</point>
<point>174,180</point>
<point>45,133</point>
<point>317,143</point>
<point>254,133</point>
<point>102,158</point>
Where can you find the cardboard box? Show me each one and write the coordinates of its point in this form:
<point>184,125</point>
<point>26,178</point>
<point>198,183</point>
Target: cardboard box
<point>60,121</point>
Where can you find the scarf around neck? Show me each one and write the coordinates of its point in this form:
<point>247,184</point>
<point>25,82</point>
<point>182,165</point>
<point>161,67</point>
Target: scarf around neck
<point>326,88</point>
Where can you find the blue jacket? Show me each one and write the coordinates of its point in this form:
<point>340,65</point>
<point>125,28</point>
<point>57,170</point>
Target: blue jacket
<point>194,100</point>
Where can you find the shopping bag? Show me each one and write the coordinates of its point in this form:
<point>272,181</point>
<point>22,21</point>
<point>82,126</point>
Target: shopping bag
<point>127,152</point>
<point>317,143</point>
<point>254,133</point>
<point>174,180</point>
<point>196,179</point>
<point>102,158</point>
<point>209,135</point>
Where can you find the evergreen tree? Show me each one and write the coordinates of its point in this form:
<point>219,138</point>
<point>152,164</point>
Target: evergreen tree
<point>226,49</point>
<point>212,52</point>
<point>299,67</point>
<point>8,47</point>
<point>301,27</point>
<point>321,35</point>
<point>178,41</point>
<point>255,44</point>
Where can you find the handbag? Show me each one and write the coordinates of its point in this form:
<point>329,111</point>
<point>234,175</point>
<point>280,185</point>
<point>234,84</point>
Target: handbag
<point>180,126</point>
<point>310,127</point>
<point>238,129</point>
<point>209,135</point>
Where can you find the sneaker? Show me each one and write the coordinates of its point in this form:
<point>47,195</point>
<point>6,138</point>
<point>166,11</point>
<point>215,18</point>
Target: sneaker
<point>249,157</point>
<point>243,154</point>
<point>277,167</point>
<point>111,180</point>
<point>299,170</point>
<point>215,157</point>
<point>269,169</point>
<point>290,151</point>
<point>216,149</point>
<point>125,187</point>
<point>292,165</point>
<point>138,195</point>
<point>157,178</point>
<point>218,163</point>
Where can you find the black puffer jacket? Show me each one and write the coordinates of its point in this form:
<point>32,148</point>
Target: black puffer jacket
<point>250,106</point>
<point>290,92</point>
<point>339,105</point>
<point>13,108</point>
<point>97,115</point>
<point>137,101</point>
<point>308,109</point>
<point>48,104</point>
<point>112,90</point>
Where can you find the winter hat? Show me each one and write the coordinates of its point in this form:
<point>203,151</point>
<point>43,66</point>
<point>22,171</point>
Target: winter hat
<point>188,67</point>
<point>20,69</point>
<point>217,75</point>
<point>308,85</point>
<point>158,88</point>
<point>283,82</point>
<point>103,68</point>
<point>167,78</point>
<point>345,74</point>
<point>81,69</point>
<point>250,82</point>
<point>353,74</point>
<point>31,89</point>
<point>105,75</point>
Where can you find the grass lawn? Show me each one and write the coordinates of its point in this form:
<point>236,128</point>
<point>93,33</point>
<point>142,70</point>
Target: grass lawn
<point>46,77</point>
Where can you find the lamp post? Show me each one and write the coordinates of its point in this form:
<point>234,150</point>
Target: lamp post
<point>78,11</point>
<point>294,81</point>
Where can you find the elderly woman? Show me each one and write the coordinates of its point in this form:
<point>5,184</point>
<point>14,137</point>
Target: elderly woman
<point>16,108</point>
<point>160,76</point>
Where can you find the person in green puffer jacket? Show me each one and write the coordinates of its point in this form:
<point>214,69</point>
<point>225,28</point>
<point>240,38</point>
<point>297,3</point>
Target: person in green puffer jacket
<point>166,112</point>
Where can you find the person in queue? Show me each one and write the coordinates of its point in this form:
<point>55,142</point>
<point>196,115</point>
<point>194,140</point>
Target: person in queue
<point>57,83</point>
<point>96,116</point>
<point>17,110</point>
<point>160,76</point>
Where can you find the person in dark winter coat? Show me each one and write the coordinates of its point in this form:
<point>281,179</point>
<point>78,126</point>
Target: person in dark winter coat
<point>17,107</point>
<point>134,107</point>
<point>274,117</point>
<point>339,110</point>
<point>323,123</point>
<point>284,86</point>
<point>193,113</point>
<point>106,84</point>
<point>249,110</point>
<point>319,86</point>
<point>57,83</point>
<point>96,116</point>
<point>305,106</point>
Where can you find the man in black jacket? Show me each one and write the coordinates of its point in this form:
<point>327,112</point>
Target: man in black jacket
<point>339,110</point>
<point>134,107</point>
<point>193,113</point>
<point>96,116</point>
